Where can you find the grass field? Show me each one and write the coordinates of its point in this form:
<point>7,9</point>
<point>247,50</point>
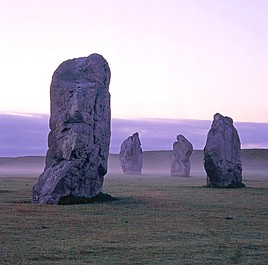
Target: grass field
<point>157,219</point>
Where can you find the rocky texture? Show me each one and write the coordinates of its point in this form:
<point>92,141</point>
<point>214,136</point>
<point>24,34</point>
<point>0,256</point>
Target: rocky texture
<point>79,137</point>
<point>131,155</point>
<point>222,160</point>
<point>182,150</point>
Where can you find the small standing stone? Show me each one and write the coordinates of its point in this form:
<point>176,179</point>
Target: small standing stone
<point>182,150</point>
<point>222,159</point>
<point>131,155</point>
<point>79,138</point>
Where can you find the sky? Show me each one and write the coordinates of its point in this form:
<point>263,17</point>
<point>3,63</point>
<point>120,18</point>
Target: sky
<point>23,135</point>
<point>170,59</point>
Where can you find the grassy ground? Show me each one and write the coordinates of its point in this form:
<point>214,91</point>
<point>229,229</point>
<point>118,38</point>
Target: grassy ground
<point>157,220</point>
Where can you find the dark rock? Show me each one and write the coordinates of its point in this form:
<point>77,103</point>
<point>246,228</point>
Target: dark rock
<point>222,159</point>
<point>79,137</point>
<point>131,155</point>
<point>182,150</point>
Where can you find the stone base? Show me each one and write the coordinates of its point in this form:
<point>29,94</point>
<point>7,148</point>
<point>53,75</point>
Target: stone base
<point>132,173</point>
<point>100,198</point>
<point>179,175</point>
<point>230,186</point>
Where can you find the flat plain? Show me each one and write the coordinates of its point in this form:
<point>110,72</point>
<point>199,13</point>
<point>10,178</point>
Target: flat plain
<point>157,219</point>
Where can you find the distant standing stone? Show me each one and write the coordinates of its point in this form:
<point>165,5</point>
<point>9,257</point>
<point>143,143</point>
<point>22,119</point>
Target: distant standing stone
<point>222,159</point>
<point>182,150</point>
<point>79,137</point>
<point>131,155</point>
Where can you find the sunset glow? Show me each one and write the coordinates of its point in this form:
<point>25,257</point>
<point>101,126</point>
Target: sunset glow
<point>169,59</point>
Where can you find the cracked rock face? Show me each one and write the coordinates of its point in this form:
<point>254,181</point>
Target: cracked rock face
<point>79,138</point>
<point>182,150</point>
<point>222,160</point>
<point>131,155</point>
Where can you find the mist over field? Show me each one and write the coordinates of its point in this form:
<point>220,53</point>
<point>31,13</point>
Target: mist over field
<point>22,135</point>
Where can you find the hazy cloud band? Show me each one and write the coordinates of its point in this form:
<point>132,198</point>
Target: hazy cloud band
<point>22,135</point>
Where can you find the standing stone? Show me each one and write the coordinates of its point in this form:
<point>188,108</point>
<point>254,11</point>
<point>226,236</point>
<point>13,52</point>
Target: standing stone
<point>79,137</point>
<point>222,159</point>
<point>182,150</point>
<point>131,155</point>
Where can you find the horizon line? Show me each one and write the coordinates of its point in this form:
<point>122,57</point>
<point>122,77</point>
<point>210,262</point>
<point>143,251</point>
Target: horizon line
<point>158,150</point>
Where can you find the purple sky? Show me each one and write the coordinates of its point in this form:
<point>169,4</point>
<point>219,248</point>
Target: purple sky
<point>27,135</point>
<point>170,59</point>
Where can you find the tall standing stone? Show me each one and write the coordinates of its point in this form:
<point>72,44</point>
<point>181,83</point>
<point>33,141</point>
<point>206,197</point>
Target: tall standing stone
<point>131,155</point>
<point>79,138</point>
<point>222,159</point>
<point>182,150</point>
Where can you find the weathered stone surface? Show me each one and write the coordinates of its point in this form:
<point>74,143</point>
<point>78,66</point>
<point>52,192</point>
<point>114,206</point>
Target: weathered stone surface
<point>182,150</point>
<point>222,159</point>
<point>131,155</point>
<point>79,137</point>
